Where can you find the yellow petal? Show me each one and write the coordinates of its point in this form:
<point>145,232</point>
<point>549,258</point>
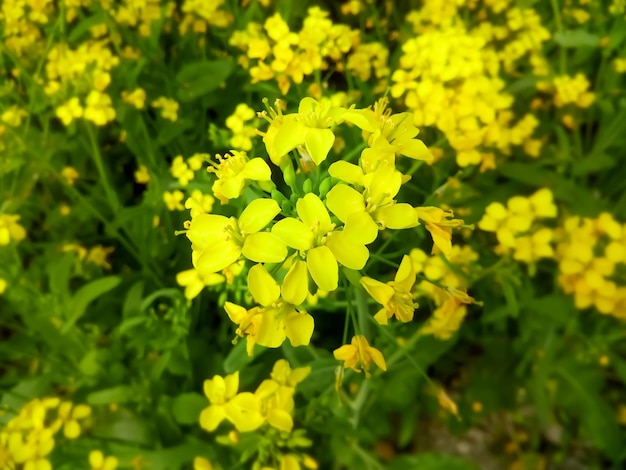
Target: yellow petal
<point>405,276</point>
<point>257,215</point>
<point>270,331</point>
<point>280,419</point>
<point>258,170</point>
<point>348,172</point>
<point>293,233</point>
<point>235,312</point>
<point>81,411</point>
<point>313,213</point>
<point>377,357</point>
<point>264,289</point>
<point>318,143</point>
<point>346,252</point>
<point>200,463</point>
<point>343,200</point>
<point>360,228</point>
<point>381,293</point>
<point>322,265</point>
<point>206,228</point>
<point>264,247</point>
<point>71,430</point>
<point>299,328</point>
<point>288,137</point>
<point>96,458</point>
<point>295,288</point>
<point>216,257</point>
<point>244,411</point>
<point>211,417</point>
<point>397,216</point>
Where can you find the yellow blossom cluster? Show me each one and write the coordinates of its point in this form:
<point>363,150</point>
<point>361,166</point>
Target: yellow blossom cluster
<point>449,77</point>
<point>243,124</point>
<point>28,438</point>
<point>297,249</point>
<point>515,227</point>
<point>272,403</point>
<point>445,286</point>
<point>96,255</point>
<point>592,263</point>
<point>199,15</point>
<point>572,90</point>
<point>184,171</point>
<point>274,52</point>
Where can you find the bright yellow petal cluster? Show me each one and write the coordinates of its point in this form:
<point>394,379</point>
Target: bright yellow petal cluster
<point>234,171</point>
<point>359,354</point>
<point>10,229</point>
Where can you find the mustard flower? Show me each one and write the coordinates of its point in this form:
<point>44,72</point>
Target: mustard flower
<point>219,241</point>
<point>199,203</point>
<point>375,205</point>
<point>69,111</point>
<point>233,170</point>
<point>98,108</point>
<point>194,281</point>
<point>395,296</point>
<point>279,317</point>
<point>200,463</point>
<point>439,223</point>
<point>315,237</point>
<point>10,229</point>
<point>309,128</point>
<point>136,98</point>
<point>3,285</point>
<point>359,354</point>
<point>181,171</point>
<point>142,175</point>
<point>446,319</point>
<point>241,409</point>
<point>169,108</point>
<point>68,416</point>
<point>70,174</point>
<point>173,200</point>
<point>98,461</point>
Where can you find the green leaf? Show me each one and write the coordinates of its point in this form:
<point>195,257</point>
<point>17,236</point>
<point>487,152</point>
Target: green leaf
<point>87,294</point>
<point>202,77</point>
<point>593,164</point>
<point>119,394</point>
<point>576,38</point>
<point>186,407</point>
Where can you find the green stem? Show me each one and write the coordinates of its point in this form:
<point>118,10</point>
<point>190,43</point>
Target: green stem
<point>97,156</point>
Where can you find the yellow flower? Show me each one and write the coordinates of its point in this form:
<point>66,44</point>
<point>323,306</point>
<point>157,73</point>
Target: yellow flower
<point>219,241</point>
<point>181,171</point>
<point>169,108</point>
<point>374,208</point>
<point>360,354</point>
<point>142,176</point>
<point>199,203</point>
<point>136,98</point>
<point>200,463</point>
<point>197,160</point>
<point>446,320</point>
<point>279,317</point>
<point>308,128</point>
<point>194,281</point>
<point>439,223</point>
<point>173,200</point>
<point>98,108</point>
<point>13,116</point>
<point>10,229</point>
<point>232,173</point>
<point>69,111</point>
<point>395,296</point>
<point>98,255</point>
<point>98,461</point>
<point>67,417</point>
<point>3,285</point>
<point>314,235</point>
<point>70,174</point>
<point>241,409</point>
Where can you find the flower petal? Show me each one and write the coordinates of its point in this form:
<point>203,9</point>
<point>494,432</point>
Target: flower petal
<point>295,287</point>
<point>323,267</point>
<point>211,417</point>
<point>264,247</point>
<point>313,213</point>
<point>343,200</point>
<point>244,411</point>
<point>381,293</point>
<point>258,170</point>
<point>318,143</point>
<point>360,228</point>
<point>349,254</point>
<point>264,289</point>
<point>293,233</point>
<point>257,215</point>
<point>397,216</point>
<point>299,328</point>
<point>348,172</point>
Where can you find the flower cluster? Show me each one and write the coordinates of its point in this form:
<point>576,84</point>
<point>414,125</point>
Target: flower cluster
<point>28,438</point>
<point>274,52</point>
<point>298,244</point>
<point>515,227</point>
<point>592,259</point>
<point>445,282</point>
<point>10,229</point>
